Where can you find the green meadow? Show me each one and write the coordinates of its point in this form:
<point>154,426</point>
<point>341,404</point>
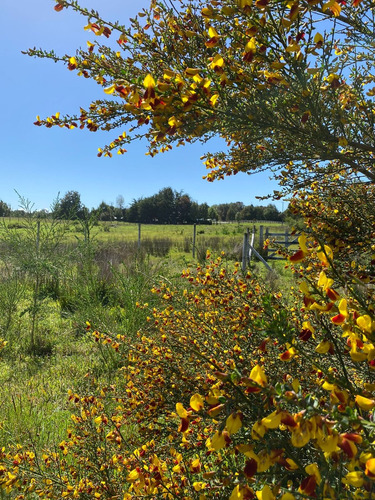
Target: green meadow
<point>54,278</point>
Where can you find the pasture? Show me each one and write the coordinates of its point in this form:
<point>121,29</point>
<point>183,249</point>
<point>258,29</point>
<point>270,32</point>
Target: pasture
<point>53,282</point>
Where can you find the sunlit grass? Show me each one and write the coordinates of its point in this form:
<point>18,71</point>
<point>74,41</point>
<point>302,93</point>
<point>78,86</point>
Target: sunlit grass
<point>101,281</point>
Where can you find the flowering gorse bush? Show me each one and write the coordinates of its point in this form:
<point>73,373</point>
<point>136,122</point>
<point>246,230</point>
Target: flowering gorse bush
<point>232,391</point>
<point>229,392</point>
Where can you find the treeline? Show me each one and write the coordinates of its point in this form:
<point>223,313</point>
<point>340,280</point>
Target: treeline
<point>166,207</point>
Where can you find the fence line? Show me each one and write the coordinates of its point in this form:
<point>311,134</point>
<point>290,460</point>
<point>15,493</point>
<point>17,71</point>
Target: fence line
<point>285,239</point>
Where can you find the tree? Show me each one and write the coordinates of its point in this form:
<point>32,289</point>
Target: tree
<point>222,209</point>
<point>183,208</point>
<point>4,209</point>
<point>286,85</point>
<point>120,202</point>
<point>203,211</point>
<point>165,205</point>
<point>132,213</point>
<point>119,210</point>
<point>271,213</point>
<point>194,211</point>
<point>70,206</point>
<point>212,213</point>
<point>106,212</point>
<point>231,214</point>
<point>248,213</point>
<point>147,210</point>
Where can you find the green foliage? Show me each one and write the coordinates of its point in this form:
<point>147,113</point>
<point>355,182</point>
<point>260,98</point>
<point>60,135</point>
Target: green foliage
<point>34,255</point>
<point>69,207</point>
<point>4,209</point>
<point>219,386</point>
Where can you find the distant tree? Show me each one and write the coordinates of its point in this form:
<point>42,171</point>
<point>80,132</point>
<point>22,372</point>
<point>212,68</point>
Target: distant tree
<point>194,211</point>
<point>212,213</point>
<point>203,211</point>
<point>119,210</point>
<point>238,205</point>
<point>165,205</point>
<point>4,209</point>
<point>233,209</point>
<point>41,214</point>
<point>146,210</point>
<point>248,213</point>
<point>132,213</point>
<point>17,213</point>
<point>259,212</point>
<point>222,210</point>
<point>231,213</point>
<point>69,207</point>
<point>106,212</point>
<point>120,201</point>
<point>183,205</point>
<point>271,213</point>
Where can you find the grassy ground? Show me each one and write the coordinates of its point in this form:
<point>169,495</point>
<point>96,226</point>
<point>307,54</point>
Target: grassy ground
<point>47,293</point>
<point>115,231</point>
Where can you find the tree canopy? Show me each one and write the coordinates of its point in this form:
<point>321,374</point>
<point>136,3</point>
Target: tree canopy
<point>70,206</point>
<point>286,84</point>
<point>4,209</point>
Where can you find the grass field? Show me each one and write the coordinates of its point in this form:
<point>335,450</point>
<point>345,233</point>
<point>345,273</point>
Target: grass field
<point>50,288</point>
<point>114,231</point>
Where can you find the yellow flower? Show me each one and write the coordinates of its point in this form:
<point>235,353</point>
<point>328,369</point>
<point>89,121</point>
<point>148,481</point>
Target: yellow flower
<point>327,442</point>
<point>196,402</point>
<point>272,421</point>
<point>182,413</point>
<point>265,494</point>
<point>323,347</point>
<point>241,492</point>
<point>333,6</point>
<point>234,423</point>
<point>312,470</point>
<point>370,468</point>
<point>258,430</point>
<point>326,255</point>
<point>132,476</point>
<point>258,375</point>
<point>149,82</point>
<point>318,38</point>
<point>365,323</point>
<point>365,403</point>
<point>219,440</point>
<point>354,478</point>
<point>217,62</point>
<point>300,435</point>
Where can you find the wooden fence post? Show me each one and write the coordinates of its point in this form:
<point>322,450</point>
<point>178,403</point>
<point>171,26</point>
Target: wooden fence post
<point>261,237</point>
<point>139,235</point>
<point>194,239</point>
<point>267,235</point>
<point>245,248</point>
<point>251,242</point>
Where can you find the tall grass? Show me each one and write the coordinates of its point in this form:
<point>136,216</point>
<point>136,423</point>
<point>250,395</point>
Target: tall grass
<point>93,282</point>
<point>53,281</point>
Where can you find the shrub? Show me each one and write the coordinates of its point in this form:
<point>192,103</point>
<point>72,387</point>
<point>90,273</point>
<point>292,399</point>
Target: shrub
<point>230,392</point>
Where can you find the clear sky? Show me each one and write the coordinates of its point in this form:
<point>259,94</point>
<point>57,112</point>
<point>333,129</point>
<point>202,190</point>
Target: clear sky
<point>40,163</point>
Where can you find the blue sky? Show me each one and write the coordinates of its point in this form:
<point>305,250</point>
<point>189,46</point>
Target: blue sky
<point>40,163</point>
